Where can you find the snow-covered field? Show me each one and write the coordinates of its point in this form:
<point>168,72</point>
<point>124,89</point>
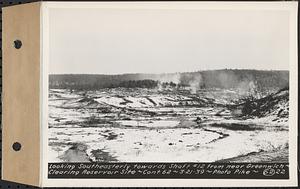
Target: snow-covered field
<point>148,125</point>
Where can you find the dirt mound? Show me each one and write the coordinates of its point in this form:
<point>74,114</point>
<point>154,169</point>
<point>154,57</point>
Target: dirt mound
<point>275,156</point>
<point>76,153</point>
<point>87,100</point>
<point>276,104</point>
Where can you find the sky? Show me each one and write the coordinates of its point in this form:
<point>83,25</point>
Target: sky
<point>117,41</point>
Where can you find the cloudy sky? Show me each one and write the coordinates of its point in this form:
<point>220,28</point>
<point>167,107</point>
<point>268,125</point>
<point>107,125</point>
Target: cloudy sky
<point>114,41</point>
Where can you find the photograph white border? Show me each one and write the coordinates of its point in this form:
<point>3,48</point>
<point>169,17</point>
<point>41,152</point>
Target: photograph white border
<point>293,119</point>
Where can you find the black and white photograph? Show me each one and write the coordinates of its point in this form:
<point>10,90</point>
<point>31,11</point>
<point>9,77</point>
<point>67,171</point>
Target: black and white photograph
<point>177,85</point>
<point>150,94</point>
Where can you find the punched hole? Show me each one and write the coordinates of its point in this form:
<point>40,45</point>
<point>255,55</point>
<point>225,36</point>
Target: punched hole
<point>17,44</point>
<point>16,146</point>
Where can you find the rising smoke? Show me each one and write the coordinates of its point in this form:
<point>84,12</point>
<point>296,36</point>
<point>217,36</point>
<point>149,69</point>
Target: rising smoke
<point>212,79</point>
<point>246,82</point>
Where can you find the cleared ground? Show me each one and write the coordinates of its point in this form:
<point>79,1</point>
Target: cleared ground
<point>151,125</point>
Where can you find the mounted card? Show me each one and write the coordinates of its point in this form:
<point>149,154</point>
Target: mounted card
<point>152,94</point>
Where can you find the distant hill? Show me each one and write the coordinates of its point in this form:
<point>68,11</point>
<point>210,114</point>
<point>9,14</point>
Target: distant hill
<point>226,79</point>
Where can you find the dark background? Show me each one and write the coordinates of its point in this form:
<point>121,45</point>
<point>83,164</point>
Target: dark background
<point>8,185</point>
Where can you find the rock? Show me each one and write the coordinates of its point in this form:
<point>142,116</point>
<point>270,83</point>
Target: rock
<point>76,153</point>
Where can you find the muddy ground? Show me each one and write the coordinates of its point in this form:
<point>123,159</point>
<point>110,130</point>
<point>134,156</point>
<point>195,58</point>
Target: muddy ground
<point>146,125</point>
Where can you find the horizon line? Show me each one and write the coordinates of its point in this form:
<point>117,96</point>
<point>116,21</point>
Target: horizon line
<point>164,72</point>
